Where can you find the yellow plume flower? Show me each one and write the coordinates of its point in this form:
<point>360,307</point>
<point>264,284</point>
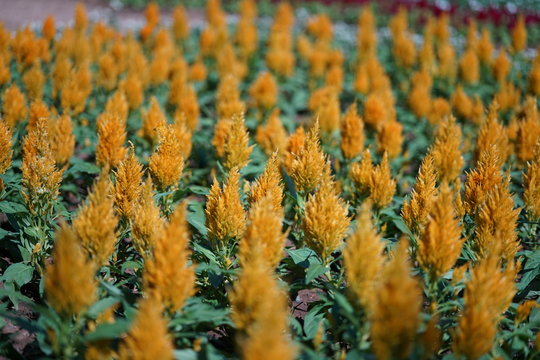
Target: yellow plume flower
<point>264,91</point>
<point>146,222</point>
<point>117,105</point>
<point>269,184</point>
<point>95,224</point>
<point>259,312</point>
<point>225,215</point>
<point>272,136</point>
<point>492,134</point>
<point>127,188</point>
<point>519,35</point>
<point>375,113</point>
<point>528,132</point>
<point>294,144</point>
<point>167,162</point>
<point>441,242</point>
<point>14,106</point>
<point>390,138</point>
<point>496,221</point>
<point>395,316</point>
<point>325,221</point>
<point>40,176</point>
<point>531,186</point>
<point>189,106</point>
<point>6,151</point>
<point>264,231</point>
<point>481,180</point>
<point>381,185</point>
<point>446,151</point>
<point>153,119</point>
<point>501,66</point>
<point>70,286</point>
<point>487,295</point>
<point>147,338</point>
<point>469,67</point>
<point>485,46</point>
<point>38,110</point>
<point>167,275</point>
<point>417,208</point>
<point>237,149</point>
<point>440,109</point>
<point>62,139</point>
<point>352,134</point>
<point>132,86</point>
<point>360,173</point>
<point>110,148</point>
<point>34,81</point>
<point>180,25</point>
<point>309,165</point>
<point>462,103</point>
<point>222,128</point>
<point>363,259</point>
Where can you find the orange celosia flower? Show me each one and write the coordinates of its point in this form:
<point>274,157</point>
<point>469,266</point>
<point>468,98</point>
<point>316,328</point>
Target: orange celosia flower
<point>327,111</point>
<point>264,91</point>
<point>147,337</point>
<point>363,260</point>
<point>167,275</point>
<point>70,286</point>
<point>420,100</point>
<point>14,106</point>
<point>34,81</point>
<point>404,50</point>
<point>446,152</point>
<point>264,231</point>
<point>361,173</point>
<point>117,105</point>
<point>390,138</point>
<point>440,108</point>
<point>127,187</point>
<point>49,27</point>
<point>146,222</point>
<point>38,110</point>
<point>519,35</point>
<point>225,216</point>
<point>325,221</point>
<point>108,72</point>
<point>487,295</point>
<point>153,119</point>
<point>272,136</point>
<point>375,112</point>
<point>95,224</point>
<point>485,47</point>
<point>320,26</point>
<point>246,37</point>
<point>259,312</point>
<point>295,143</point>
<point>189,106</point>
<point>496,221</point>
<point>180,25</point>
<point>367,33</point>
<point>501,66</point>
<point>462,103</point>
<point>197,71</point>
<point>309,167</point>
<point>237,149</point>
<point>221,132</point>
<point>132,87</point>
<point>268,185</point>
<point>167,162</point>
<point>62,139</point>
<point>81,19</point>
<point>531,186</point>
<point>5,73</point>
<point>528,132</point>
<point>492,134</point>
<point>446,54</point>
<point>352,134</point>
<point>440,244</point>
<point>40,177</point>
<point>418,207</point>
<point>110,149</point>
<point>381,185</point>
<point>6,151</point>
<point>395,316</point>
<point>524,309</point>
<point>469,67</point>
<point>481,179</point>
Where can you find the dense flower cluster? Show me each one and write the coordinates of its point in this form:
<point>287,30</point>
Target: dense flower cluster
<point>271,189</point>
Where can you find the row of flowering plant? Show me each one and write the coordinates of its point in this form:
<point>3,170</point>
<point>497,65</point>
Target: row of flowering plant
<point>269,191</point>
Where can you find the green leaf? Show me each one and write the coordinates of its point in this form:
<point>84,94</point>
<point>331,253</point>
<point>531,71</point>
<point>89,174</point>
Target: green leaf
<point>303,257</point>
<point>10,207</point>
<point>196,217</point>
<point>315,270</point>
<point>108,331</point>
<point>199,190</point>
<point>312,321</point>
<point>20,273</point>
<point>186,354</point>
<point>100,306</point>
<point>83,167</point>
